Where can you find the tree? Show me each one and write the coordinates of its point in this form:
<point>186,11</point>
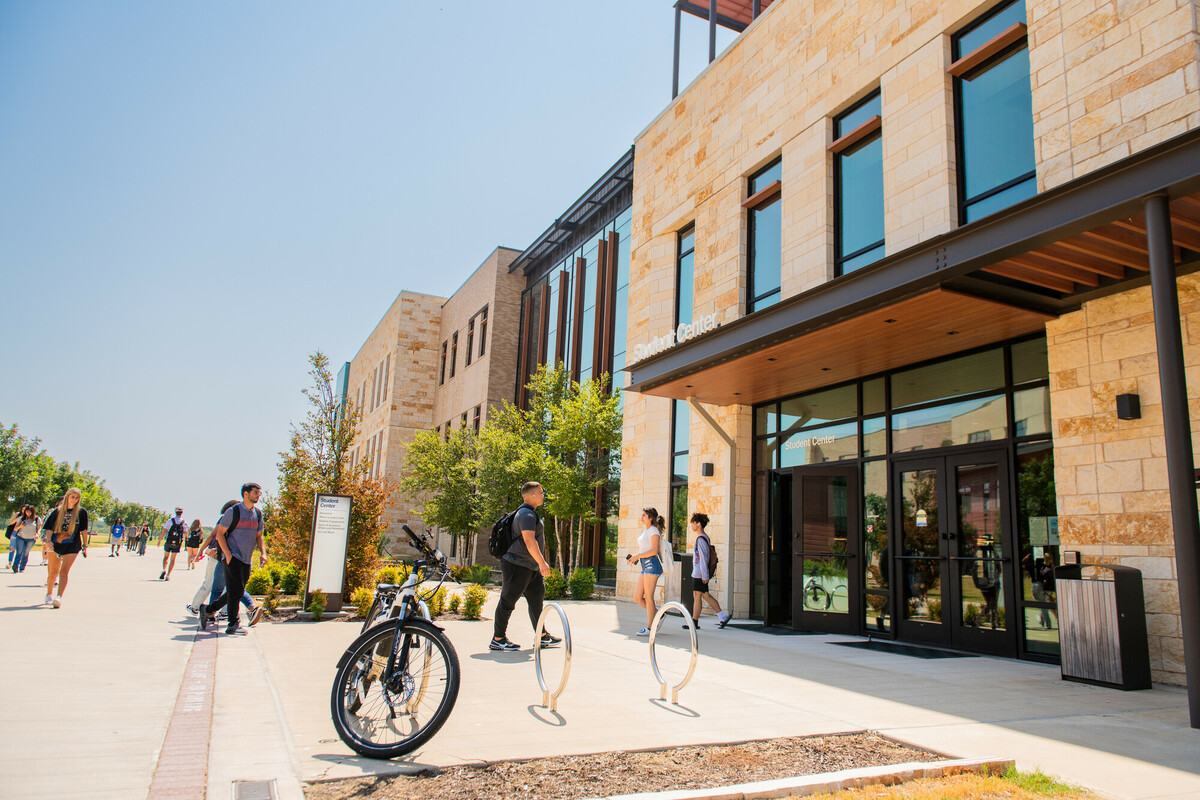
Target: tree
<point>441,478</point>
<point>318,460</point>
<point>18,459</point>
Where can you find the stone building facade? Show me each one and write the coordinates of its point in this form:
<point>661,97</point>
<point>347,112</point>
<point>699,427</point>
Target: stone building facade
<point>1052,260</point>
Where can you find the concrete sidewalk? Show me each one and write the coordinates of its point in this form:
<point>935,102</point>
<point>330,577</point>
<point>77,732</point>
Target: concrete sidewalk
<point>104,681</point>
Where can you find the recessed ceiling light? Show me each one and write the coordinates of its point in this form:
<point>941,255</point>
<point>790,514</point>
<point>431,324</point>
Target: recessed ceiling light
<point>824,369</point>
<point>737,394</point>
<point>889,320</point>
<point>770,359</point>
<point>952,333</point>
<point>688,386</point>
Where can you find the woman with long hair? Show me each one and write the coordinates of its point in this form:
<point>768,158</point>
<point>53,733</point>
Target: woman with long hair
<point>24,529</point>
<point>195,534</point>
<point>67,525</point>
<point>648,558</point>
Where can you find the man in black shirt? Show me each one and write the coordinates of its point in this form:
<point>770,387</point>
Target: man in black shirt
<point>523,569</point>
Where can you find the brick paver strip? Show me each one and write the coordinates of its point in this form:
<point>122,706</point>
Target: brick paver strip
<point>182,768</point>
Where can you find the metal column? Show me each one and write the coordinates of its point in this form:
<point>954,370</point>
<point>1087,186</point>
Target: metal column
<point>1177,430</point>
<point>675,71</point>
<point>712,31</point>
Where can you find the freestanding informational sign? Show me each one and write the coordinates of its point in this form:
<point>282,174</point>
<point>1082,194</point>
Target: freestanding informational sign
<point>327,554</point>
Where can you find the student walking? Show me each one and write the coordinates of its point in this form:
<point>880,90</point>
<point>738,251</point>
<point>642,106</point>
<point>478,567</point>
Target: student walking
<point>647,556</point>
<point>523,570</point>
<point>23,532</point>
<point>238,534</point>
<point>117,532</point>
<point>703,564</point>
<point>67,525</point>
<point>143,540</point>
<point>174,530</point>
<point>193,543</point>
<point>213,585</point>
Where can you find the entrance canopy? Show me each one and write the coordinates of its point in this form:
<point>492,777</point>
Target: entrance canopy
<point>990,280</point>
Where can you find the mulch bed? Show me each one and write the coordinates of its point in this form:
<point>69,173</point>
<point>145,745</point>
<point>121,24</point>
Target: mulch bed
<point>604,774</point>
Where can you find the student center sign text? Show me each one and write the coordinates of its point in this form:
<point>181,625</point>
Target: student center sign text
<point>685,331</point>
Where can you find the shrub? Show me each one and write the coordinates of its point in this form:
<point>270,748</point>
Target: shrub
<point>271,599</point>
<point>290,580</point>
<point>970,614</point>
<point>259,582</point>
<point>935,609</point>
<point>473,600</point>
<point>386,575</point>
<point>480,574</point>
<point>583,583</point>
<point>276,570</point>
<point>362,599</point>
<point>452,603</point>
<point>437,603</point>
<point>556,585</point>
<point>317,604</point>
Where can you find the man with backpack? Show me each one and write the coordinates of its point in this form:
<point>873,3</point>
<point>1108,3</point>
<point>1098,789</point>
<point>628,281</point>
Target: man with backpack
<point>704,566</point>
<point>174,530</point>
<point>523,568</point>
<point>238,534</point>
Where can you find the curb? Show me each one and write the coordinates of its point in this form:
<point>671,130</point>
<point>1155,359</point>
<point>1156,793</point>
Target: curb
<point>831,781</point>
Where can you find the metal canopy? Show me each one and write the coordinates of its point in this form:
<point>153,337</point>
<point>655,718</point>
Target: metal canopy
<point>1036,260</point>
<point>732,14</point>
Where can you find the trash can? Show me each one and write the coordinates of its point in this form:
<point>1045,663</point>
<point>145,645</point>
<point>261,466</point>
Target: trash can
<point>685,585</point>
<point>1102,626</point>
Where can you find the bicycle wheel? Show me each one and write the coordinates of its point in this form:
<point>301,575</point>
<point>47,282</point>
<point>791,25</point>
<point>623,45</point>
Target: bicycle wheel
<point>816,598</point>
<point>383,716</point>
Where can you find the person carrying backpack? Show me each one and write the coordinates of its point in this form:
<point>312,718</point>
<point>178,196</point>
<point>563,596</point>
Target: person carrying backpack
<point>174,530</point>
<point>704,565</point>
<point>523,569</point>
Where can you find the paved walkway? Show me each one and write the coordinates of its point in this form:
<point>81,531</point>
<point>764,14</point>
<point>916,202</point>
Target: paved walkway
<point>106,670</point>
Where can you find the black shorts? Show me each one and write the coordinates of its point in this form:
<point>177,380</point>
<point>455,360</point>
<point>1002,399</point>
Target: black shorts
<point>699,586</point>
<point>193,541</point>
<point>68,547</point>
<point>170,547</point>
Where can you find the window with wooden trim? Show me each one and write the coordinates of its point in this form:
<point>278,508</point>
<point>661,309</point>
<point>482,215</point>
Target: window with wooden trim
<point>858,186</point>
<point>993,109</point>
<point>765,238</point>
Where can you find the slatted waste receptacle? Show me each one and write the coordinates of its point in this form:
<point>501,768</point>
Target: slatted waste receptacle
<point>1102,625</point>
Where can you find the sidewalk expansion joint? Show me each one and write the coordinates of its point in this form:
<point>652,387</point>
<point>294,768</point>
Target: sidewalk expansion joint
<point>182,767</point>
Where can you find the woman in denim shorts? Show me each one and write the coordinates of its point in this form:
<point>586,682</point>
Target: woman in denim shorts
<point>652,567</point>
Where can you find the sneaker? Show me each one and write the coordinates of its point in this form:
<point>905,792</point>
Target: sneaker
<point>162,575</point>
<point>256,615</point>
<point>724,619</point>
<point>502,644</point>
<point>644,632</point>
<point>111,555</point>
<point>57,602</point>
<point>549,640</point>
<point>49,599</point>
<point>235,630</point>
<point>695,624</point>
<point>204,617</point>
<point>192,609</point>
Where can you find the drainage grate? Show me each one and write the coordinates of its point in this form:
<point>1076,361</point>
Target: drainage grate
<point>254,790</point>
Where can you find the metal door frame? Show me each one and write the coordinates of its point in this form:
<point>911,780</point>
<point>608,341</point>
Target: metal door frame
<point>827,622</point>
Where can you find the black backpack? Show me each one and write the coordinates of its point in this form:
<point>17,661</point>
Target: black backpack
<point>175,534</point>
<point>502,535</point>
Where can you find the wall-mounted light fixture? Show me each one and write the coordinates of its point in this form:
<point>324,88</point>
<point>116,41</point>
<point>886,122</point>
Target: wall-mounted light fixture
<point>1129,406</point>
<point>706,469</point>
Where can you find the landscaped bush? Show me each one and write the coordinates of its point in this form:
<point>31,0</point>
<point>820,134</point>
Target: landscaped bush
<point>453,603</point>
<point>479,573</point>
<point>362,599</point>
<point>556,585</point>
<point>259,582</point>
<point>473,600</point>
<point>317,604</point>
<point>276,570</point>
<point>386,575</point>
<point>271,599</point>
<point>437,603</point>
<point>290,580</point>
<point>583,583</point>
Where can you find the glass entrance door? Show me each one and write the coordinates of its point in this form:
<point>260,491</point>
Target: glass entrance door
<point>779,550</point>
<point>826,526</point>
<point>954,555</point>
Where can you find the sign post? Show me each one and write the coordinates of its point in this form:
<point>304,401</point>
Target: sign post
<point>327,553</point>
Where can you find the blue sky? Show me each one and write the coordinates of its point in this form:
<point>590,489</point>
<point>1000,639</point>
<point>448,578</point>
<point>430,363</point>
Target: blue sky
<point>196,196</point>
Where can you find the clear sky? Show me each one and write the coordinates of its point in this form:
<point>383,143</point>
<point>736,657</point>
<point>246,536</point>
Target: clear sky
<point>196,196</point>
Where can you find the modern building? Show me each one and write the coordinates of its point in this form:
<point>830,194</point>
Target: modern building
<point>900,273</point>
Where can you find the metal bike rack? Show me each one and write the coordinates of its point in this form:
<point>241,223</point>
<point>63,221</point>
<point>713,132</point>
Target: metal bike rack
<point>550,700</point>
<point>691,626</point>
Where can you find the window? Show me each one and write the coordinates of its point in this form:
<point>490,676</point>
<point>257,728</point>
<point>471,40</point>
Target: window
<point>475,420</point>
<point>374,388</point>
<point>442,369</point>
<point>387,371</point>
<point>462,421</point>
<point>858,186</point>
<point>685,276</point>
<point>993,109</point>
<point>453,351</point>
<point>765,238</point>
<point>680,435</point>
<point>470,338</point>
<point>482,331</point>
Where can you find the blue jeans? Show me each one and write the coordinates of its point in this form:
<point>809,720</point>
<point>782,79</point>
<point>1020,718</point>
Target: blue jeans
<point>219,588</point>
<point>19,548</point>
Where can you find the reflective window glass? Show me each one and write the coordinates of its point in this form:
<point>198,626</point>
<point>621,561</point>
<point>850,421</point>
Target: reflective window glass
<point>679,467</point>
<point>859,193</point>
<point>683,305</point>
<point>683,422</point>
<point>1029,362</point>
<point>820,445</point>
<point>875,525</point>
<point>1031,411</point>
<point>818,408</point>
<point>952,424</point>
<point>621,319</point>
<point>766,231</point>
<point>874,437</point>
<point>871,107</point>
<point>872,396</point>
<point>766,419</point>
<point>623,257</point>
<point>766,451</point>
<point>765,178</point>
<point>988,29</point>
<point>948,379</point>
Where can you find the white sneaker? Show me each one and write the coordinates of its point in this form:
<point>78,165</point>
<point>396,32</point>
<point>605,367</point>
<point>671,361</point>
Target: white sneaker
<point>57,602</point>
<point>49,599</point>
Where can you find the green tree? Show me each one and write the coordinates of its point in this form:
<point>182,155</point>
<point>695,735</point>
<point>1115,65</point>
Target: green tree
<point>442,479</point>
<point>18,469</point>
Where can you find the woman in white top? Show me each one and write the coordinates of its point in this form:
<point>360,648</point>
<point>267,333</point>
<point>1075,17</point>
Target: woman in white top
<point>24,528</point>
<point>652,568</point>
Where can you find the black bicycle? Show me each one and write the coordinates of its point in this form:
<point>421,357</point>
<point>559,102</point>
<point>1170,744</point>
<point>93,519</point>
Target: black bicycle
<point>397,683</point>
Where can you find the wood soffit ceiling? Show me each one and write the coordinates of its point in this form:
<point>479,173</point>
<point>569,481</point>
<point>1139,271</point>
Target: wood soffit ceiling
<point>737,10</point>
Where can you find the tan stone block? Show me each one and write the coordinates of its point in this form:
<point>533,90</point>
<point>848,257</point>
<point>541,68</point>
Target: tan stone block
<point>1078,505</point>
<point>1110,503</point>
<point>1172,654</point>
<point>1148,501</point>
<point>1143,528</point>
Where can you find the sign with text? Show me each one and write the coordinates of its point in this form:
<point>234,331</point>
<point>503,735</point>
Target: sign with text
<point>685,332</point>
<point>327,553</point>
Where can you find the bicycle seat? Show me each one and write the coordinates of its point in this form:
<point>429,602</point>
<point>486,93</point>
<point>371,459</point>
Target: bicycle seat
<point>386,587</point>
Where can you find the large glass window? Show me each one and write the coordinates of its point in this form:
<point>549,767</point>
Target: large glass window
<point>858,187</point>
<point>994,110</point>
<point>442,368</point>
<point>453,351</point>
<point>685,274</point>
<point>681,425</point>
<point>766,239</point>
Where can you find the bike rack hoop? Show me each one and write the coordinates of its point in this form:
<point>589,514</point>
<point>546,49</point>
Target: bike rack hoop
<point>550,699</point>
<point>691,626</point>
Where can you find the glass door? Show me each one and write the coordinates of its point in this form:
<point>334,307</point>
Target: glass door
<point>825,525</point>
<point>779,550</point>
<point>955,551</point>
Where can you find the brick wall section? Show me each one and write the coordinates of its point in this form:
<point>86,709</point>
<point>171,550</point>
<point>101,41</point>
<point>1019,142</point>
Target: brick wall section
<point>1109,79</point>
<point>1111,474</point>
<point>408,332</point>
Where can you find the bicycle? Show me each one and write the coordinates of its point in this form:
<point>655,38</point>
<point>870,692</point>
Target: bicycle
<point>389,599</point>
<point>392,692</point>
<point>817,597</point>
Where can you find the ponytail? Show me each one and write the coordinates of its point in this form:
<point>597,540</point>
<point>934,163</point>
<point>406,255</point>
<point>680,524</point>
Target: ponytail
<point>655,519</point>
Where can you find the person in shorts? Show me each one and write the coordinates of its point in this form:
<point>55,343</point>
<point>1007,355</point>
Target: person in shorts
<point>701,550</point>
<point>67,526</point>
<point>649,559</point>
<point>174,531</point>
<point>195,534</point>
<point>117,532</point>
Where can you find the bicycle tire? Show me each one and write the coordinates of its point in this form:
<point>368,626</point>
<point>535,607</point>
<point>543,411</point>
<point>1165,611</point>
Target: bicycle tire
<point>819,598</point>
<point>368,721</point>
